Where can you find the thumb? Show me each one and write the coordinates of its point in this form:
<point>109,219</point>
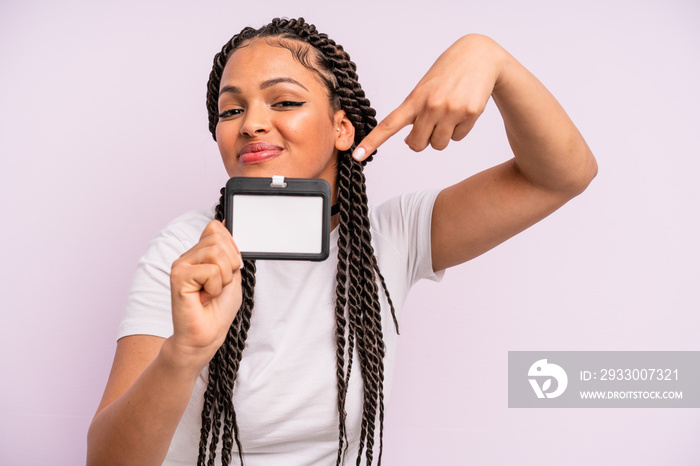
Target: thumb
<point>392,124</point>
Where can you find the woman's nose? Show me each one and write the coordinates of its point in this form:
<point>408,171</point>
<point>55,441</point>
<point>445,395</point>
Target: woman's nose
<point>255,121</point>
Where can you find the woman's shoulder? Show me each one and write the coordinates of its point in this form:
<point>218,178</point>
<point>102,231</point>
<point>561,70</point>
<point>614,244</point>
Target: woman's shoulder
<point>403,210</point>
<point>192,221</point>
<point>402,223</point>
<point>187,228</point>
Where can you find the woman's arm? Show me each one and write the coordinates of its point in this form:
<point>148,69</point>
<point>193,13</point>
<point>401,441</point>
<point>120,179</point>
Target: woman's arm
<point>152,379</point>
<point>552,163</point>
<point>146,394</point>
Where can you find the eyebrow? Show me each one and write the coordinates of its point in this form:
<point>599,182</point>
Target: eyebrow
<point>264,85</point>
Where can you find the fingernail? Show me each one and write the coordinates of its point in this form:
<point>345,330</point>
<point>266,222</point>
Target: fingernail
<point>359,153</point>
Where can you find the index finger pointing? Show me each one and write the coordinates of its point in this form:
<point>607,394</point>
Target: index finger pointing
<point>392,124</point>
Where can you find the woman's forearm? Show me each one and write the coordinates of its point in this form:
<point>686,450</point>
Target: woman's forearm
<point>137,427</point>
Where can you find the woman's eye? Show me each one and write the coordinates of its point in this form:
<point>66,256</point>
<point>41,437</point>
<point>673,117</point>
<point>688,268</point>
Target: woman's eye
<point>288,104</point>
<point>230,113</point>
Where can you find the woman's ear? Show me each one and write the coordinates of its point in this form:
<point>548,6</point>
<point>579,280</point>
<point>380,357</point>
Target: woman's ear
<point>345,131</point>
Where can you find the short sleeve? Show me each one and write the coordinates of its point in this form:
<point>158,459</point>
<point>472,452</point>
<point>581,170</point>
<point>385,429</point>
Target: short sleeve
<point>405,221</point>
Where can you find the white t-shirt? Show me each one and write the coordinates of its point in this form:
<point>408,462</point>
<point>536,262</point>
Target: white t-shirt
<point>285,394</point>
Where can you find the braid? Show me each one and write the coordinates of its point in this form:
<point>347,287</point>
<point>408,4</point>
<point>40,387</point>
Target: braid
<point>357,307</point>
<point>340,305</point>
<point>218,397</point>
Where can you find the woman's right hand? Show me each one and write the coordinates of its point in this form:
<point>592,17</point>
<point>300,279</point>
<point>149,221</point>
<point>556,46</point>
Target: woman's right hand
<point>205,285</point>
<point>151,380</point>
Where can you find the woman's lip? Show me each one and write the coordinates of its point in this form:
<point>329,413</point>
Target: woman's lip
<point>258,152</point>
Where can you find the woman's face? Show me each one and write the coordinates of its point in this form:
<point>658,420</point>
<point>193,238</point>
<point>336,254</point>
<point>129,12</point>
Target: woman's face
<point>275,117</point>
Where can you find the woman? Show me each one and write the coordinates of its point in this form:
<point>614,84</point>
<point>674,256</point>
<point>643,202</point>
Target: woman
<point>284,100</point>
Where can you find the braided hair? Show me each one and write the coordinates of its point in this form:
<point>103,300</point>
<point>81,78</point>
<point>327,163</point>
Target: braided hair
<point>357,307</point>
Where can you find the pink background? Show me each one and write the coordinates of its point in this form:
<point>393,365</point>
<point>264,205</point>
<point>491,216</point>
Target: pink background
<point>103,140</point>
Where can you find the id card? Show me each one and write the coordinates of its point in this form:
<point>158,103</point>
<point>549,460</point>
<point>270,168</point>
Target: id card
<point>279,218</point>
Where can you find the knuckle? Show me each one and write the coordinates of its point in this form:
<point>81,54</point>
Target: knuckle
<point>178,271</point>
<point>220,255</point>
<point>458,136</point>
<point>438,145</point>
<point>177,265</point>
<point>211,227</point>
<point>436,102</point>
<point>386,125</point>
<point>444,105</point>
<point>212,254</point>
<point>414,146</point>
<point>472,108</point>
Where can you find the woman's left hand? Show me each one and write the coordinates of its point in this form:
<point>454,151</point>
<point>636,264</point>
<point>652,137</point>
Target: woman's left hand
<point>551,161</point>
<point>449,99</point>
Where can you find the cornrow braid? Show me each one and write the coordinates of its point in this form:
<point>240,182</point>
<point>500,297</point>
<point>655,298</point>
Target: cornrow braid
<point>357,307</point>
